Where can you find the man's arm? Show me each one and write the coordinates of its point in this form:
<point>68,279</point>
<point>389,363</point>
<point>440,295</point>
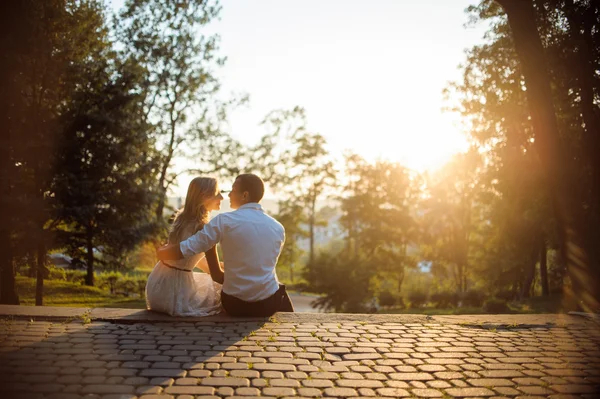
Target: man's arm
<point>202,241</point>
<point>212,258</point>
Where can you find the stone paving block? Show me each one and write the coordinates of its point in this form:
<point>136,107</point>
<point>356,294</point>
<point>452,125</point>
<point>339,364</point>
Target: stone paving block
<point>393,392</point>
<point>108,389</point>
<point>411,376</point>
<point>317,383</point>
<point>359,383</point>
<point>469,392</point>
<point>536,390</point>
<point>366,392</point>
<point>506,391</point>
<point>309,392</point>
<point>289,383</point>
<point>247,391</point>
<point>490,382</point>
<point>162,373</point>
<point>229,382</point>
<point>340,392</point>
<point>190,390</point>
<point>278,391</point>
<point>426,393</point>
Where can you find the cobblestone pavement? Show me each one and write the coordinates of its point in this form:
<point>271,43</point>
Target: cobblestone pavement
<point>298,356</point>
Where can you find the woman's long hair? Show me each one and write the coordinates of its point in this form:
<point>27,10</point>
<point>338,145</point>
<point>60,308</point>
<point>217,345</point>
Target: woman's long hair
<point>194,215</point>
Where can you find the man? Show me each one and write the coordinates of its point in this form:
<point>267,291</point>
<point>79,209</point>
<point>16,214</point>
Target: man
<point>251,241</point>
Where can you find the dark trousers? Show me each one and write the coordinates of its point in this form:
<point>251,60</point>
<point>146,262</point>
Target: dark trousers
<point>278,302</point>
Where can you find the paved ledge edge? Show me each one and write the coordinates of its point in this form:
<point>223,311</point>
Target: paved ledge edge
<point>50,313</point>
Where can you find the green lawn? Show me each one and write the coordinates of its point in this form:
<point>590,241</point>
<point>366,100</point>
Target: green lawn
<point>552,304</point>
<point>63,293</point>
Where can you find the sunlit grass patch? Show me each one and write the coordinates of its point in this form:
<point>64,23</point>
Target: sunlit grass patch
<point>64,293</point>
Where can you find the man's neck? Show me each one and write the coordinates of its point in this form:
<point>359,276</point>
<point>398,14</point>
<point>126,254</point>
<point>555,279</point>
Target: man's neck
<point>250,205</point>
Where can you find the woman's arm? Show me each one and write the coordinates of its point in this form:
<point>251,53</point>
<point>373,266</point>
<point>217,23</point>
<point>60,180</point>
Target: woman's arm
<point>213,264</point>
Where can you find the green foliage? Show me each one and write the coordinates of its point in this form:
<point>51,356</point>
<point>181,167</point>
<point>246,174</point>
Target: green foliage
<point>167,43</point>
<point>344,281</point>
<point>291,215</point>
<point>473,297</point>
<point>444,299</point>
<point>387,298</point>
<point>417,298</point>
<point>299,168</point>
<point>110,280</point>
<point>127,285</point>
<point>75,276</point>
<point>496,305</point>
<point>56,273</point>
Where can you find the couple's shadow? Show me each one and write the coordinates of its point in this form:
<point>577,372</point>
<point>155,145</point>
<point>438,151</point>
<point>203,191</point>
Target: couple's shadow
<point>135,351</point>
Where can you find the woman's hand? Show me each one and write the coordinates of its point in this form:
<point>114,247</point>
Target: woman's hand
<point>216,273</point>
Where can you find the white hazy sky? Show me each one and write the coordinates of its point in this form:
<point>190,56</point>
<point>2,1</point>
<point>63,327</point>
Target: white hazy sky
<point>370,74</point>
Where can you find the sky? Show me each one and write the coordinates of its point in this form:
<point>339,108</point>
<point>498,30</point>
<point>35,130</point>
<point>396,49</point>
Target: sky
<point>370,74</point>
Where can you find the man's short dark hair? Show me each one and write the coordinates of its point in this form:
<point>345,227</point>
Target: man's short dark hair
<point>253,184</point>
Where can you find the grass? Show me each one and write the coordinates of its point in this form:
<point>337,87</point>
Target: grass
<point>552,304</point>
<point>63,293</point>
<point>434,311</point>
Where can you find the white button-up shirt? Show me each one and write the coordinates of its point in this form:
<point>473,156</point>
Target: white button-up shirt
<point>251,242</point>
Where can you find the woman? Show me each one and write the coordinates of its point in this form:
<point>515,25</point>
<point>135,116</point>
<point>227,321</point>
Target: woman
<point>172,286</point>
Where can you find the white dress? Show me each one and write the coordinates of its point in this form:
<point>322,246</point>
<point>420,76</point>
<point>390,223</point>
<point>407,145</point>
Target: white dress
<point>183,293</point>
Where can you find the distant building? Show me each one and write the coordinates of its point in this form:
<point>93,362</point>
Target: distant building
<point>424,266</point>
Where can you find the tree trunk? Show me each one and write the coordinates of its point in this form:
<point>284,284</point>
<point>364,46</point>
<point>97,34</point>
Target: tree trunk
<point>581,27</point>
<point>8,292</point>
<point>529,276</point>
<point>311,228</point>
<point>32,272</point>
<point>89,278</point>
<point>293,260</point>
<point>41,266</point>
<point>544,267</point>
<point>400,279</point>
<point>584,276</point>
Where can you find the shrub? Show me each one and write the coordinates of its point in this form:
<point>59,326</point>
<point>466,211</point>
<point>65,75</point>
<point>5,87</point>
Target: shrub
<point>386,298</point>
<point>75,276</point>
<point>109,280</point>
<point>56,273</point>
<point>141,286</point>
<point>444,299</point>
<point>127,285</point>
<point>506,295</point>
<point>495,305</point>
<point>473,298</point>
<point>417,298</point>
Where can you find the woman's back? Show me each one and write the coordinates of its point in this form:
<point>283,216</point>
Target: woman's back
<point>174,288</point>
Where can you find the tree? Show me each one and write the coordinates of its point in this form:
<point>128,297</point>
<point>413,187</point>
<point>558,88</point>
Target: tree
<point>296,163</point>
<point>101,186</point>
<point>292,216</point>
<point>179,65</point>
<point>523,170</point>
<point>378,212</point>
<point>450,215</point>
<point>345,281</point>
<point>46,57</point>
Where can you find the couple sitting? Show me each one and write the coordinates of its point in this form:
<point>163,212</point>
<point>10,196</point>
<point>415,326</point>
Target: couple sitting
<point>251,241</point>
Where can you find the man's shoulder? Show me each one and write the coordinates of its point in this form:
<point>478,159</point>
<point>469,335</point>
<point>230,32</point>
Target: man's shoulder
<point>223,216</point>
<point>274,221</point>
